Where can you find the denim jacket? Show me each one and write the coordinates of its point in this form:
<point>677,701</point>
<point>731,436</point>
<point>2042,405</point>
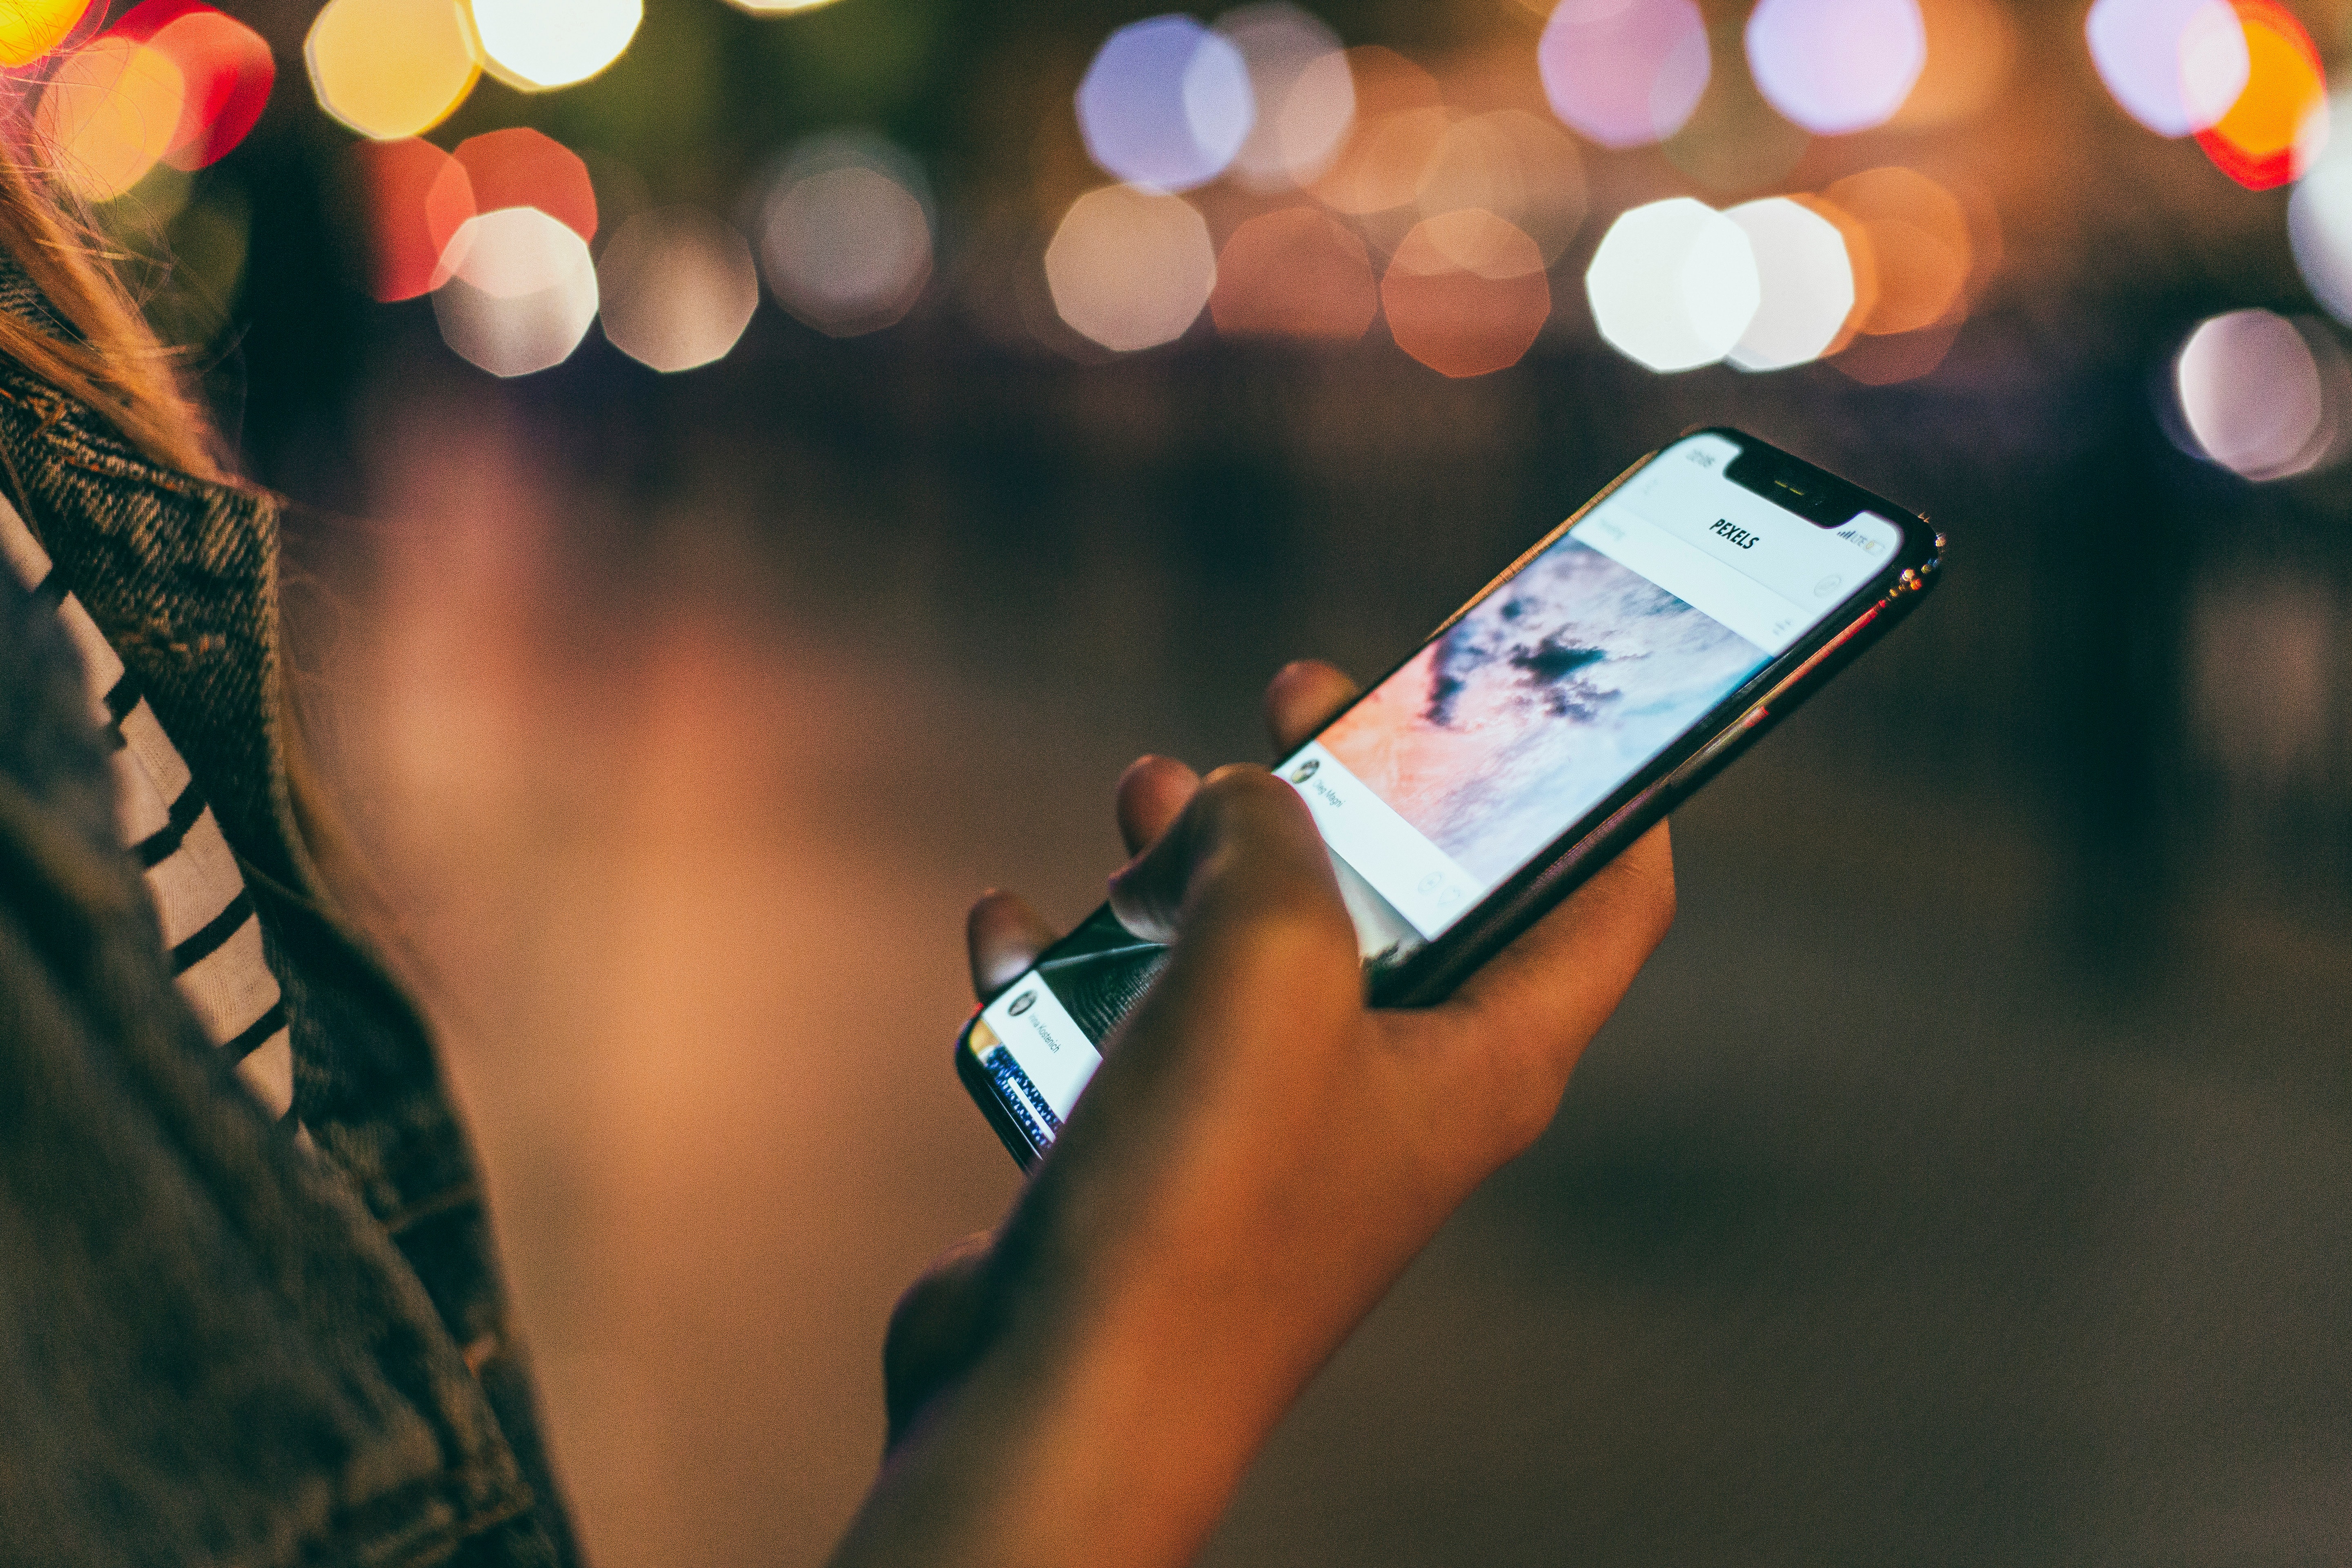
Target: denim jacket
<point>216,1346</point>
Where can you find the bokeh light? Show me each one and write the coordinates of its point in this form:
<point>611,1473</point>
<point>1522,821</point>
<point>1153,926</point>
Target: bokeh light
<point>1921,253</point>
<point>389,67</point>
<point>2175,66</point>
<point>31,28</point>
<point>1835,67</point>
<point>1304,97</point>
<point>1387,162</point>
<point>108,115</point>
<point>404,242</point>
<point>535,44</point>
<point>1971,46</point>
<point>1167,103</point>
<point>1295,273</point>
<point>2320,224</point>
<point>2255,142</point>
<point>1131,268</point>
<point>519,167</point>
<point>1673,284</point>
<point>1465,293</point>
<point>1805,279</point>
<point>1514,165</point>
<point>1861,259</point>
<point>844,236</point>
<point>226,71</point>
<point>1624,73</point>
<point>2253,394</point>
<point>1400,120</point>
<point>777,8</point>
<point>522,293</point>
<point>677,287</point>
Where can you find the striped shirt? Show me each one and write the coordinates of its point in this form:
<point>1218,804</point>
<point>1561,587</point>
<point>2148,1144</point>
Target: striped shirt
<point>210,928</point>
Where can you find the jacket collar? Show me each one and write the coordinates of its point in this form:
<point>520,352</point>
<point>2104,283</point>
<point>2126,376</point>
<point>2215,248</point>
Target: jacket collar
<point>179,574</point>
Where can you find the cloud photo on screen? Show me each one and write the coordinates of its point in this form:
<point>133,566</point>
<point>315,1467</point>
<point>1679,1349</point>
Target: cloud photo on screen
<point>1537,704</point>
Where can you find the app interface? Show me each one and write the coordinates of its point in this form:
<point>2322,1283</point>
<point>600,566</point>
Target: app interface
<point>1548,695</point>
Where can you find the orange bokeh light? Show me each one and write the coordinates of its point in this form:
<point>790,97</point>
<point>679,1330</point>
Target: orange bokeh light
<point>1465,293</point>
<point>1919,252</point>
<point>1295,273</point>
<point>2254,142</point>
<point>1400,122</point>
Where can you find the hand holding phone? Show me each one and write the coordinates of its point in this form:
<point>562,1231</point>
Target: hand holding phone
<point>1261,1157</point>
<point>1606,675</point>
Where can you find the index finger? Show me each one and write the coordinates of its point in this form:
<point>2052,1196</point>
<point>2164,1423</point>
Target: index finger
<point>1301,699</point>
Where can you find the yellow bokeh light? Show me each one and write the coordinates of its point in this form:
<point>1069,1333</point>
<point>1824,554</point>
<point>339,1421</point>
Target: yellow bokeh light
<point>108,115</point>
<point>389,68</point>
<point>535,44</point>
<point>31,28</point>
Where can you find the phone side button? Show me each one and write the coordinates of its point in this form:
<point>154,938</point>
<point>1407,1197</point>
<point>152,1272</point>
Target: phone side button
<point>1717,753</point>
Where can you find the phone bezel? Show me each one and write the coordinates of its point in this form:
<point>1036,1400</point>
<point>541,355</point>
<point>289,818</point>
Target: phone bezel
<point>1863,616</point>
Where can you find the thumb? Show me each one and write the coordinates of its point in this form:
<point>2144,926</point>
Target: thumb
<point>1246,840</point>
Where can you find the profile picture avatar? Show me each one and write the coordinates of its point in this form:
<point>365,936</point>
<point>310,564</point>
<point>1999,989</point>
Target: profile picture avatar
<point>1305,770</point>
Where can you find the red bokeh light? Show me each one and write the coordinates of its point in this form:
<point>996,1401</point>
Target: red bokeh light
<point>226,67</point>
<point>405,242</point>
<point>520,167</point>
<point>2254,142</point>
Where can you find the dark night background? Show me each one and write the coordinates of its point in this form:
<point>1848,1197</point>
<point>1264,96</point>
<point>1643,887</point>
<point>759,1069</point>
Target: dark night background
<point>1970,1179</point>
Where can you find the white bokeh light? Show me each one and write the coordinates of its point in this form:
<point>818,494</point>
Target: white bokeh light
<point>1166,103</point>
<point>2253,397</point>
<point>1131,268</point>
<point>678,288</point>
<point>2176,66</point>
<point>1806,284</point>
<point>520,293</point>
<point>1304,96</point>
<point>2319,222</point>
<point>1673,284</point>
<point>540,44</point>
<point>1625,72</point>
<point>845,234</point>
<point>1835,67</point>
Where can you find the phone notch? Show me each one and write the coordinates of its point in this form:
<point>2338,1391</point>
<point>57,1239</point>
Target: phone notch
<point>1795,486</point>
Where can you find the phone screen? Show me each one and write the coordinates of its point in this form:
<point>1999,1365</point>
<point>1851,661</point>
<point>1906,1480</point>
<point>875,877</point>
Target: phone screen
<point>1558,685</point>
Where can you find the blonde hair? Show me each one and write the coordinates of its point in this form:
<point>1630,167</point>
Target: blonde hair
<point>120,368</point>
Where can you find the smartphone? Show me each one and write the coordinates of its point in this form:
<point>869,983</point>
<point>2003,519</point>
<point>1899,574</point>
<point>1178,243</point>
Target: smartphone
<point>1608,673</point>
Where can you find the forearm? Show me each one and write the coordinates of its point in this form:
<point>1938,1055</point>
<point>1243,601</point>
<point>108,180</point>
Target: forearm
<point>1097,1430</point>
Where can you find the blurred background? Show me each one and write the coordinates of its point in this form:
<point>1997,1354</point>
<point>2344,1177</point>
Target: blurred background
<point>757,472</point>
